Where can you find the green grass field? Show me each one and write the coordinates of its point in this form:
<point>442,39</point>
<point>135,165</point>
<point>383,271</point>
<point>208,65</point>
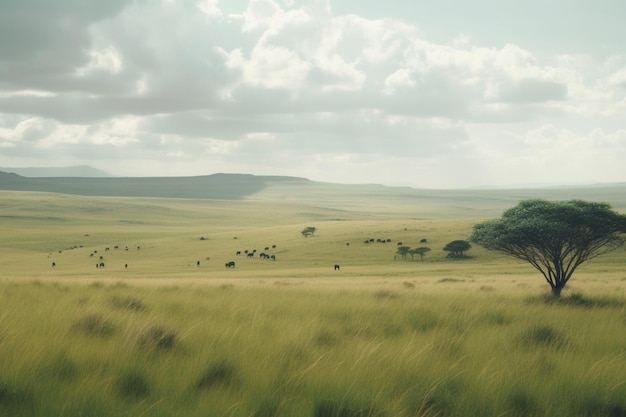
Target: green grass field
<point>155,334</point>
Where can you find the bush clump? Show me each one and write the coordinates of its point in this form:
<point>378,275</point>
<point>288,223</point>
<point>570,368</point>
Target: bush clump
<point>93,325</point>
<point>343,408</point>
<point>132,384</point>
<point>127,303</point>
<point>542,335</point>
<point>221,373</point>
<point>157,337</point>
<point>12,396</point>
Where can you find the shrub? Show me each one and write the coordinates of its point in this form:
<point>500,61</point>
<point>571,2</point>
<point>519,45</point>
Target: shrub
<point>15,396</point>
<point>127,303</point>
<point>385,294</point>
<point>221,373</point>
<point>422,320</point>
<point>520,404</point>
<point>61,367</point>
<point>132,384</point>
<point>542,335</point>
<point>157,337</point>
<point>326,338</point>
<point>343,408</point>
<point>268,408</point>
<point>93,325</point>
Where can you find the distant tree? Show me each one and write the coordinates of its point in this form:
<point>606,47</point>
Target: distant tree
<point>421,251</point>
<point>403,251</point>
<point>555,237</point>
<point>457,248</point>
<point>308,231</point>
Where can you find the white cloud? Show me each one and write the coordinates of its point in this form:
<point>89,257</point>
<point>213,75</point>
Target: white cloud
<point>107,59</point>
<point>299,88</point>
<point>271,67</point>
<point>209,8</point>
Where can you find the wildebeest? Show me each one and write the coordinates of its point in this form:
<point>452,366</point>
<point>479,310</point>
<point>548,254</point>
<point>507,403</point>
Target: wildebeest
<point>423,241</point>
<point>197,263</point>
<point>101,264</point>
<point>251,255</point>
<point>336,267</point>
<point>230,264</point>
<point>238,252</point>
<point>273,257</point>
<point>54,264</point>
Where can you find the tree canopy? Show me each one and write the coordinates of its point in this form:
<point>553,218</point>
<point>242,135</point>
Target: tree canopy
<point>555,237</point>
<point>308,231</point>
<point>457,248</point>
<point>421,251</point>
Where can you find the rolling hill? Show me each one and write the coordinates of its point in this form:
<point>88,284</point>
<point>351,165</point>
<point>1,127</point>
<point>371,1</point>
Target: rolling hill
<point>417,203</point>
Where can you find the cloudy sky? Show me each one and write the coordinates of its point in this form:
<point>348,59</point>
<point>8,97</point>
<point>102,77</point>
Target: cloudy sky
<point>424,93</point>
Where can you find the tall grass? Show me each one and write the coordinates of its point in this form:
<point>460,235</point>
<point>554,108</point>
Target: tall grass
<point>154,333</point>
<point>306,351</point>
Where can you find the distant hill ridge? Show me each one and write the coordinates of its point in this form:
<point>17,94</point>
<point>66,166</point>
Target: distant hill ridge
<point>409,202</point>
<point>73,171</point>
<point>216,186</point>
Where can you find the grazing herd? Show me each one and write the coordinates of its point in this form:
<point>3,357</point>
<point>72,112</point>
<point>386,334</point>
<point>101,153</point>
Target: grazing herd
<point>231,264</point>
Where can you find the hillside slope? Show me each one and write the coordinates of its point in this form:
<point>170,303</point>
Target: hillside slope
<point>217,186</point>
<point>403,201</point>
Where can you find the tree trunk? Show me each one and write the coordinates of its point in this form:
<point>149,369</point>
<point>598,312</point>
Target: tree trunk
<point>556,291</point>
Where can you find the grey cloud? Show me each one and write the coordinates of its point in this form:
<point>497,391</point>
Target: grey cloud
<point>47,39</point>
<point>533,91</point>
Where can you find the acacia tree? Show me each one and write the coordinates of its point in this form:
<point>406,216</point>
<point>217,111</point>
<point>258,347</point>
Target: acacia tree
<point>555,237</point>
<point>457,248</point>
<point>403,251</point>
<point>308,231</point>
<point>421,251</point>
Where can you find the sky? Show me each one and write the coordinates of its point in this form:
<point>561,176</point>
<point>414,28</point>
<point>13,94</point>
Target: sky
<point>419,93</point>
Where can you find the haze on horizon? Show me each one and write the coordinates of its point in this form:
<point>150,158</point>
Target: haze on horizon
<point>423,94</point>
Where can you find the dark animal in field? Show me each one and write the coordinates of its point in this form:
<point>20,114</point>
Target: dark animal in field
<point>54,264</point>
<point>273,257</point>
<point>337,267</point>
<point>197,263</point>
<point>399,243</point>
<point>238,252</point>
<point>101,264</point>
<point>251,255</point>
<point>125,265</point>
<point>423,241</point>
<point>230,264</point>
<point>267,248</point>
<point>273,246</point>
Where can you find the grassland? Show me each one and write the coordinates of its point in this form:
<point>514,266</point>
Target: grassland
<point>155,334</point>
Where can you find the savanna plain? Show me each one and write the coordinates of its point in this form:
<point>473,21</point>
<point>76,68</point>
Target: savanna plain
<point>165,329</point>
